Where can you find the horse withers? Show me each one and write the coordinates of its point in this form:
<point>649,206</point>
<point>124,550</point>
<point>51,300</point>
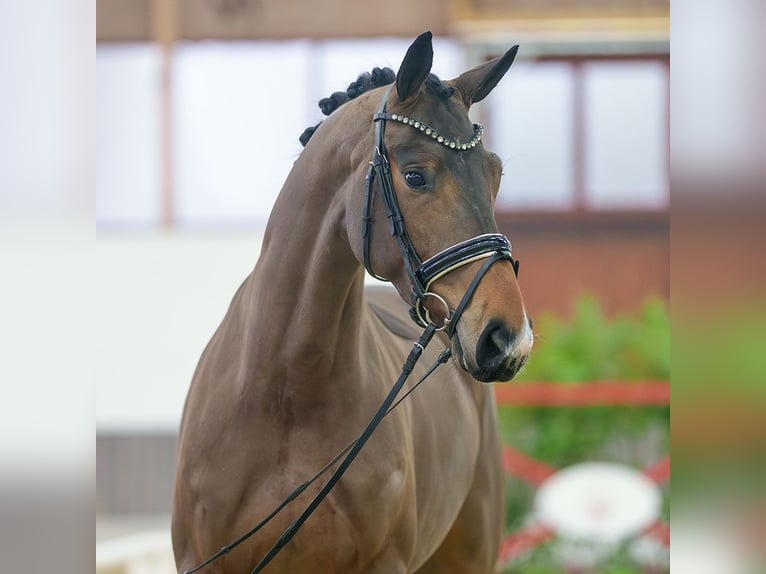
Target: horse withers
<point>305,354</point>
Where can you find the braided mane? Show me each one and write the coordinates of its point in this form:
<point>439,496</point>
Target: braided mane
<point>364,83</point>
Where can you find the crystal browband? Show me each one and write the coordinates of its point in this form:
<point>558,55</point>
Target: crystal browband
<point>478,130</point>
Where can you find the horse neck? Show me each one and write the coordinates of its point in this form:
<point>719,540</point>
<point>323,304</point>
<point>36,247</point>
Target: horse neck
<point>305,309</point>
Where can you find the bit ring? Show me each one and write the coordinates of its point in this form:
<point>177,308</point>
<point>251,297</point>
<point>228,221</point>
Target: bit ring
<point>425,316</point>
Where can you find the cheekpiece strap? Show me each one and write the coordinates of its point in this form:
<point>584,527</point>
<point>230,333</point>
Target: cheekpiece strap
<point>380,167</point>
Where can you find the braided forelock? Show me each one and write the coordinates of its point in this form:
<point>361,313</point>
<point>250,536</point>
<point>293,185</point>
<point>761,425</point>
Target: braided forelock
<point>364,83</point>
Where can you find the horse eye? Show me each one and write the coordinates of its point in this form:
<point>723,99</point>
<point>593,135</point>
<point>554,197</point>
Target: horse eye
<point>414,179</point>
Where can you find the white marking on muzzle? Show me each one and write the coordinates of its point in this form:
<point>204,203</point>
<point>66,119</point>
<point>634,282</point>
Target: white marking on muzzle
<point>525,340</point>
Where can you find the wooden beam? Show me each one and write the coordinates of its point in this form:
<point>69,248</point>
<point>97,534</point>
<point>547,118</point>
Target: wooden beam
<point>165,27</point>
<point>123,21</point>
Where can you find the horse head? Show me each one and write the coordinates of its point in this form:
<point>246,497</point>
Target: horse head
<point>445,184</point>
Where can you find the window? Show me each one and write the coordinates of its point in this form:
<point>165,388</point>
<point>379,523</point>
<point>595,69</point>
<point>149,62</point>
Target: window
<point>582,134</point>
<point>127,135</point>
<point>239,109</point>
<point>531,118</point>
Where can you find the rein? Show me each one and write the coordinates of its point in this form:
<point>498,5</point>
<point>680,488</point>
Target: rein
<point>353,449</point>
<point>490,247</point>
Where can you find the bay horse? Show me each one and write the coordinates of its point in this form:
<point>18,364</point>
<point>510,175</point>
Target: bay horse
<point>305,353</point>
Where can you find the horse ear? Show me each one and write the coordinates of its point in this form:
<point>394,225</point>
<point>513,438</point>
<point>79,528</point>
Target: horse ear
<point>415,67</point>
<point>475,84</point>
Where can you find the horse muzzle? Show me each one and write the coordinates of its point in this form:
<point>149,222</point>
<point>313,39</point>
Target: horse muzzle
<point>499,354</point>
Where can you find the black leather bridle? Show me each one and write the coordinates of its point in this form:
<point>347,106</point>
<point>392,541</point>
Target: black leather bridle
<point>492,247</point>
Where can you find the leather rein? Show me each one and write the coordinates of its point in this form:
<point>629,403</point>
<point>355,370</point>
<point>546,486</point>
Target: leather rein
<point>490,247</point>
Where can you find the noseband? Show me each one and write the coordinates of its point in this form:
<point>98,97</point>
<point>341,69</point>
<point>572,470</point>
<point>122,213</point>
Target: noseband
<point>491,247</point>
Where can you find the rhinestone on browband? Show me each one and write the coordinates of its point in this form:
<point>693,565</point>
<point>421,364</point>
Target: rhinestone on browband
<point>478,130</point>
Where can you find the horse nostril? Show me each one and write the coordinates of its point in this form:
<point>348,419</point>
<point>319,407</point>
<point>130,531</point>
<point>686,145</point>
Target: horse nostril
<point>494,345</point>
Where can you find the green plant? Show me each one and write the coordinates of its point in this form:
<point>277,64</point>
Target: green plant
<point>588,347</point>
<point>591,346</point>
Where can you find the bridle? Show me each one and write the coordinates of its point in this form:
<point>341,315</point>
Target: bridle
<point>492,247</point>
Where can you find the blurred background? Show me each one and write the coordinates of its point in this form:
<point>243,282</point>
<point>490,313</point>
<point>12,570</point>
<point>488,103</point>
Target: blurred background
<point>198,109</point>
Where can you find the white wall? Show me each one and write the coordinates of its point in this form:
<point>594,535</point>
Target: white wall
<point>160,298</point>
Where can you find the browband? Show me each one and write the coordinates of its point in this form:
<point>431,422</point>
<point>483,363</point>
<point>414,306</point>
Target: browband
<point>427,130</point>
